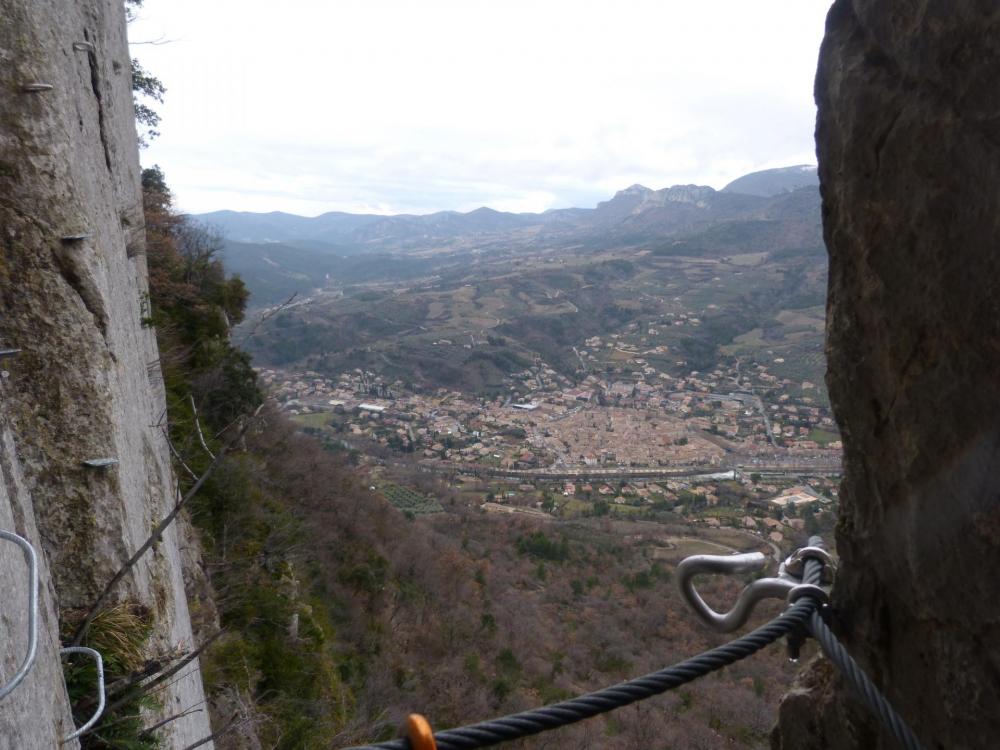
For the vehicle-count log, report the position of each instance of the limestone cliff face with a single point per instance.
(86, 384)
(908, 137)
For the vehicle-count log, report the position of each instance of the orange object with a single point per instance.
(420, 733)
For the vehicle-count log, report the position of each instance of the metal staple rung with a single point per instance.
(100, 463)
(36, 87)
(96, 656)
(29, 659)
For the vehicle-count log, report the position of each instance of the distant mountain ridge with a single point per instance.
(771, 182)
(635, 209)
(279, 254)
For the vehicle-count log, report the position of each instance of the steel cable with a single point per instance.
(561, 714)
(801, 616)
(863, 686)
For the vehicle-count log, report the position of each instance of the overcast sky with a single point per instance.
(393, 106)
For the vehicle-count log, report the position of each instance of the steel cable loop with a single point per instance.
(526, 723)
(863, 686)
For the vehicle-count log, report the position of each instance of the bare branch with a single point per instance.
(226, 428)
(159, 420)
(100, 726)
(153, 538)
(177, 455)
(265, 317)
(154, 42)
(135, 690)
(194, 671)
(197, 425)
(149, 730)
(233, 724)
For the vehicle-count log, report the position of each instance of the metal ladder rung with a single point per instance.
(100, 687)
(29, 659)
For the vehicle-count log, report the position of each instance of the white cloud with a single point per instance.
(397, 105)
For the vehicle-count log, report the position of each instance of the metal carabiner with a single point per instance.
(749, 562)
(32, 559)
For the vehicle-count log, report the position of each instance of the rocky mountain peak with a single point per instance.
(637, 199)
(634, 190)
(696, 194)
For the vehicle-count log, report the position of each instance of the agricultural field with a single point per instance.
(823, 437)
(674, 549)
(318, 421)
(410, 501)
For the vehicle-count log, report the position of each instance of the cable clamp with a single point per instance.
(794, 565)
(818, 593)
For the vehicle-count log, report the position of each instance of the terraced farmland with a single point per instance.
(410, 501)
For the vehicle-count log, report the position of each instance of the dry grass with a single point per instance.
(119, 633)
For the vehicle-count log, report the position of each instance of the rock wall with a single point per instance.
(87, 384)
(36, 714)
(908, 138)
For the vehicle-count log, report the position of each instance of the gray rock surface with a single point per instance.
(36, 714)
(908, 138)
(87, 383)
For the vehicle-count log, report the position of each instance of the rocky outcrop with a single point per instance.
(909, 162)
(86, 384)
